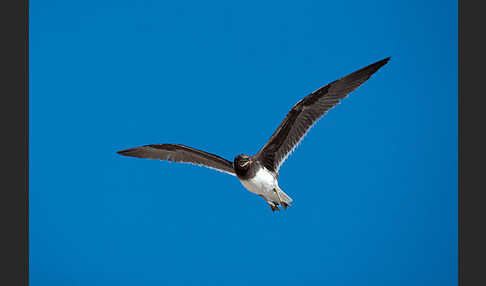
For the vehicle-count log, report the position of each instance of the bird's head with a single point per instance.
(242, 162)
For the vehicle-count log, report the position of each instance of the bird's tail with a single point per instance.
(285, 198)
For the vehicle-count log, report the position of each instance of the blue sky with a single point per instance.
(374, 183)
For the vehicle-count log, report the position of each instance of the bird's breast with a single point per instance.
(261, 183)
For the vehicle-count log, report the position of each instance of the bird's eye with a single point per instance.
(244, 162)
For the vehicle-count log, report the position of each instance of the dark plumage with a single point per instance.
(180, 153)
(247, 171)
(306, 112)
(259, 173)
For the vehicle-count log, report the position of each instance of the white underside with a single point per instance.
(263, 183)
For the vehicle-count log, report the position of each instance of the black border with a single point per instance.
(14, 202)
(472, 144)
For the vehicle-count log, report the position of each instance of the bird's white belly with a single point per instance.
(263, 183)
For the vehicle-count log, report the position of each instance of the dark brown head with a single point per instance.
(242, 164)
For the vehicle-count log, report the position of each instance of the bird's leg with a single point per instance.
(273, 206)
(282, 202)
(285, 205)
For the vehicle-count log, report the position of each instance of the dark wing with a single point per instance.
(180, 153)
(306, 112)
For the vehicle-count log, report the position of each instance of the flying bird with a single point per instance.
(259, 173)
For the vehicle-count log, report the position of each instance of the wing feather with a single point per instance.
(180, 153)
(305, 113)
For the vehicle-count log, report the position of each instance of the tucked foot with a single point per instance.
(286, 205)
(273, 206)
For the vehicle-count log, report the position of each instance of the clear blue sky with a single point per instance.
(374, 183)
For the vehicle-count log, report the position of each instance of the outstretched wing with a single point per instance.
(306, 112)
(180, 153)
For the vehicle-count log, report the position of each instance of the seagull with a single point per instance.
(259, 173)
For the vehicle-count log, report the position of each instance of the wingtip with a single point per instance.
(132, 152)
(383, 62)
(376, 66)
(125, 152)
